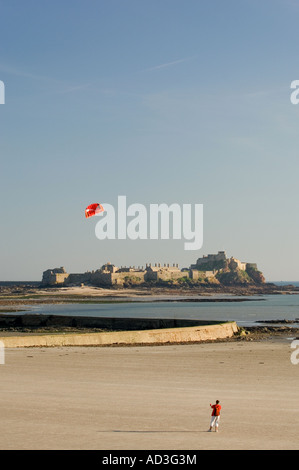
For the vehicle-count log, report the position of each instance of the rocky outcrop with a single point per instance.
(256, 276)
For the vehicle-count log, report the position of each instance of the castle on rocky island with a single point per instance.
(210, 269)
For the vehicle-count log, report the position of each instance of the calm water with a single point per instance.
(246, 313)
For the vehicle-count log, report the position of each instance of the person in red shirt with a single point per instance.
(215, 416)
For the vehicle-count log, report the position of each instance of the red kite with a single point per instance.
(93, 209)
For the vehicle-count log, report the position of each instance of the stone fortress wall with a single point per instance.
(110, 275)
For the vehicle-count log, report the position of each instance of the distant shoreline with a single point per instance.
(17, 295)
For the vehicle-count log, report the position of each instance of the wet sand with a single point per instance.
(150, 397)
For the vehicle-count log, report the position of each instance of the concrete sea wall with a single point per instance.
(145, 337)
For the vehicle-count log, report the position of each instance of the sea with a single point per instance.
(246, 311)
(253, 311)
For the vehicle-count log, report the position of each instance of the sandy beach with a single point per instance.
(150, 397)
(147, 397)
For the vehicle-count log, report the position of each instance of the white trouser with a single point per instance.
(215, 420)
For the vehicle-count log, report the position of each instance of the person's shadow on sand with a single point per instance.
(149, 431)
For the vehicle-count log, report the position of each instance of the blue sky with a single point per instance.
(161, 101)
